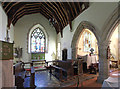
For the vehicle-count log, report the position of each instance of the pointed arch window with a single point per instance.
(87, 41)
(37, 41)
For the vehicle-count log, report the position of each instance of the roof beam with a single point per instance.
(61, 12)
(66, 14)
(55, 15)
(65, 5)
(80, 9)
(74, 8)
(70, 9)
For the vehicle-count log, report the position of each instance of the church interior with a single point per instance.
(59, 44)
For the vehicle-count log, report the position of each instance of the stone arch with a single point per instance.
(83, 25)
(110, 24)
(108, 28)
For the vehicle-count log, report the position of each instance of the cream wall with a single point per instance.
(119, 46)
(22, 28)
(11, 33)
(114, 44)
(97, 14)
(6, 66)
(65, 41)
(3, 24)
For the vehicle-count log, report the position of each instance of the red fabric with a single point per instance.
(34, 67)
(28, 69)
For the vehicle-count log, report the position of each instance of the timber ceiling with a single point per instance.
(63, 12)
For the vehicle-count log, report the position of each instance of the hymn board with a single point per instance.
(6, 50)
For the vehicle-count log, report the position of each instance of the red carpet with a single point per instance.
(34, 68)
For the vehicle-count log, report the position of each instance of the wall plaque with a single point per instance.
(6, 50)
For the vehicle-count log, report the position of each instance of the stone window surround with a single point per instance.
(29, 36)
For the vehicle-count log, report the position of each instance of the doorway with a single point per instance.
(114, 55)
(86, 42)
(87, 48)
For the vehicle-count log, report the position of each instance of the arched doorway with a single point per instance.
(87, 41)
(75, 41)
(108, 27)
(114, 48)
(87, 48)
(85, 38)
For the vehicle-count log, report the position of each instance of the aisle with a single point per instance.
(43, 79)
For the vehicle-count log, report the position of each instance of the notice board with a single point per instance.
(6, 50)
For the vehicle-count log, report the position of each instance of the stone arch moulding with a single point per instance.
(109, 26)
(111, 23)
(83, 25)
(29, 34)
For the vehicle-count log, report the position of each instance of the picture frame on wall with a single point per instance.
(18, 52)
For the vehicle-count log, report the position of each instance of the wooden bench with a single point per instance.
(19, 73)
(63, 69)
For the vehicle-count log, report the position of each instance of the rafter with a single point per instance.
(55, 13)
(74, 8)
(71, 9)
(11, 7)
(68, 14)
(80, 9)
(61, 5)
(63, 15)
(63, 12)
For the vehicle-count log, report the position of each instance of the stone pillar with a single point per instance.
(103, 62)
(74, 53)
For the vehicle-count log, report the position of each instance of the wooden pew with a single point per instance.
(19, 73)
(63, 69)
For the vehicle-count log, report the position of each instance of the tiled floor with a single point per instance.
(45, 79)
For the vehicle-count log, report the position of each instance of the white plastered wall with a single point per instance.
(6, 66)
(11, 33)
(3, 24)
(22, 28)
(114, 43)
(97, 14)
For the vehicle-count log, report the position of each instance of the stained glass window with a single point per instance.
(87, 41)
(37, 41)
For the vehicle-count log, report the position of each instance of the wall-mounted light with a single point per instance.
(52, 21)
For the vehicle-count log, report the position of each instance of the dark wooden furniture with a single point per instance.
(75, 65)
(114, 64)
(62, 69)
(64, 54)
(85, 67)
(19, 73)
(93, 68)
(39, 62)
